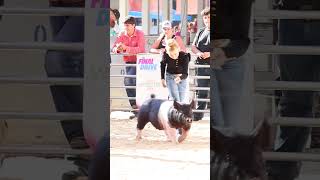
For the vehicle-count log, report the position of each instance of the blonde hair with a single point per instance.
(172, 47)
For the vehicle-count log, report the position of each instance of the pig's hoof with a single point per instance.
(175, 142)
(138, 138)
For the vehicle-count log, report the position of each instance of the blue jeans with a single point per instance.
(202, 94)
(67, 64)
(230, 90)
(296, 103)
(178, 92)
(128, 81)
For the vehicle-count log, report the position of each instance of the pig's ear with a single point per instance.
(216, 140)
(193, 104)
(176, 105)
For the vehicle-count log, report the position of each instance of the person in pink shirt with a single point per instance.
(131, 41)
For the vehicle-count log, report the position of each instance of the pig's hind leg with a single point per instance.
(142, 121)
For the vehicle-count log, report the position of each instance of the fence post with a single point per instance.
(96, 79)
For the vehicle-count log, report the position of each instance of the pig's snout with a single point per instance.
(189, 120)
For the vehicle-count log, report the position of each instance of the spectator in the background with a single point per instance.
(190, 32)
(194, 30)
(159, 45)
(190, 27)
(201, 47)
(114, 22)
(195, 25)
(131, 41)
(176, 30)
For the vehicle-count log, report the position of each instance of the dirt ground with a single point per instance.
(155, 158)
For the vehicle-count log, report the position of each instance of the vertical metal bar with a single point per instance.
(96, 70)
(183, 15)
(247, 97)
(201, 6)
(158, 23)
(146, 16)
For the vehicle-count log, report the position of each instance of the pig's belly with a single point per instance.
(155, 121)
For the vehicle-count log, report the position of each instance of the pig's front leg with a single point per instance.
(183, 136)
(139, 134)
(173, 135)
(167, 135)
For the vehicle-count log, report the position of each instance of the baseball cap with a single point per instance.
(116, 13)
(166, 24)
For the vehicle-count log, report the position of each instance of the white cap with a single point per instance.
(166, 24)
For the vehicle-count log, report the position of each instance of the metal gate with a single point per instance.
(94, 83)
(283, 85)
